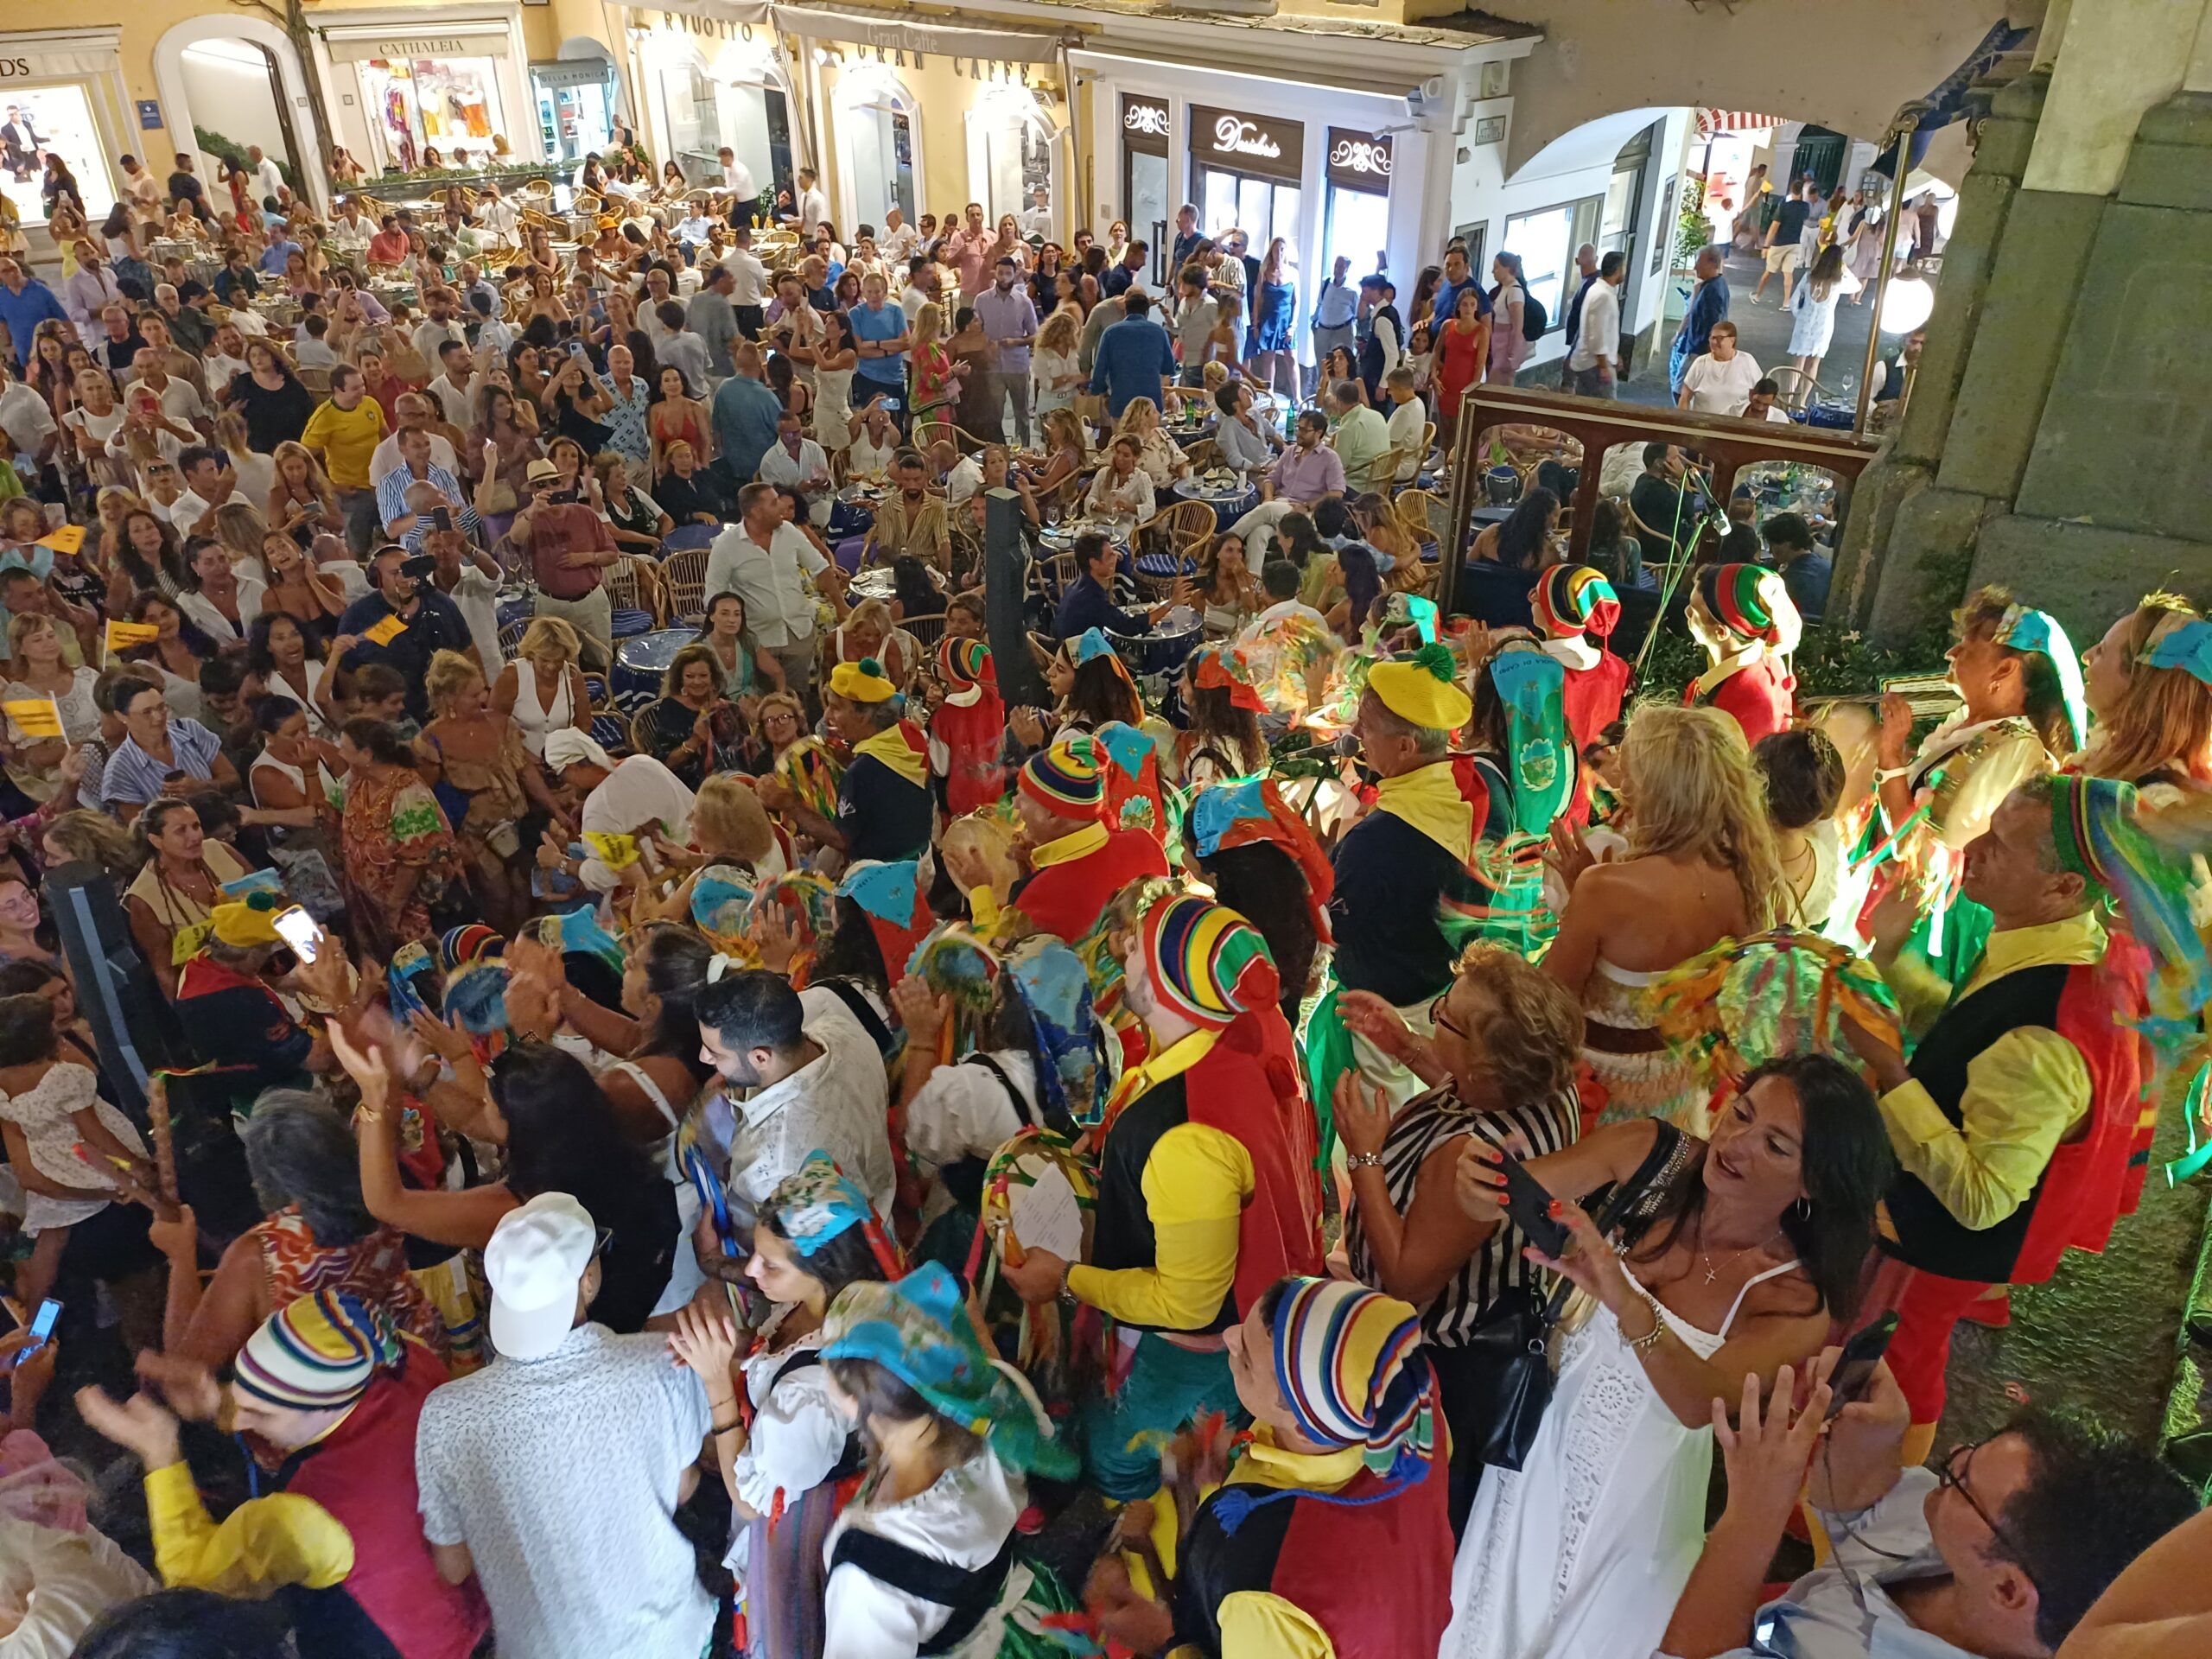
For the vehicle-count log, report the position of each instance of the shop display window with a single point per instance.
(56, 119)
(420, 104)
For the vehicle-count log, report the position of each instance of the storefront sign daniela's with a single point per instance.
(1247, 144)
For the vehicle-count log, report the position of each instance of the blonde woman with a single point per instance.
(1067, 452)
(243, 531)
(1160, 457)
(934, 377)
(297, 589)
(871, 631)
(302, 501)
(257, 472)
(542, 689)
(1701, 866)
(39, 674)
(1054, 365)
(471, 749)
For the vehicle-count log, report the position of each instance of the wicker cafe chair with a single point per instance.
(928, 630)
(1204, 453)
(1420, 513)
(1043, 648)
(683, 585)
(633, 584)
(1382, 475)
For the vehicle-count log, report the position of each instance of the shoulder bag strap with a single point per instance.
(968, 1592)
(856, 999)
(1021, 1106)
(1615, 1204)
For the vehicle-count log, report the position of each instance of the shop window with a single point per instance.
(1545, 242)
(1260, 208)
(1017, 158)
(880, 147)
(1359, 230)
(574, 118)
(57, 120)
(420, 104)
(704, 114)
(1146, 189)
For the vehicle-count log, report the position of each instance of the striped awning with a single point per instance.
(1738, 121)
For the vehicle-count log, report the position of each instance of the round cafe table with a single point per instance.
(1229, 501)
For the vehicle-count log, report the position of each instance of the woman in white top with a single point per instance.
(1054, 364)
(1159, 456)
(1744, 1248)
(39, 675)
(833, 359)
(542, 689)
(817, 1235)
(953, 1432)
(1121, 489)
(277, 650)
(875, 442)
(222, 602)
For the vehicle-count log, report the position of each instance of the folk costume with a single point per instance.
(1074, 877)
(883, 799)
(968, 729)
(1207, 1193)
(1263, 1569)
(1749, 678)
(1578, 610)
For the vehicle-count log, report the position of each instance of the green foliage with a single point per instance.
(229, 149)
(1830, 662)
(1690, 228)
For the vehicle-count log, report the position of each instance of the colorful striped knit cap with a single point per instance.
(1745, 599)
(965, 662)
(2093, 825)
(1206, 962)
(1573, 598)
(1065, 779)
(318, 1354)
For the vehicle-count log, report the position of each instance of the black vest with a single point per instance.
(1928, 1237)
(1122, 1236)
(1370, 349)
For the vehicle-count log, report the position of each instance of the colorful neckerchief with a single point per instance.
(1428, 798)
(1065, 849)
(1171, 1062)
(901, 747)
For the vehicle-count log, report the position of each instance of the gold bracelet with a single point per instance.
(1642, 1346)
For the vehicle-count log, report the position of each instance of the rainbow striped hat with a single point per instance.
(318, 1354)
(1206, 962)
(965, 662)
(1573, 599)
(2098, 836)
(1064, 778)
(1747, 599)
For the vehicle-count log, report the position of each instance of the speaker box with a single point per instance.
(132, 1022)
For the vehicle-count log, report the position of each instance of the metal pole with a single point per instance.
(1882, 286)
(1452, 545)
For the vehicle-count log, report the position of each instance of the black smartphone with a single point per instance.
(1529, 1203)
(1854, 1367)
(442, 517)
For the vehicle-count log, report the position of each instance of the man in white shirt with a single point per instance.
(694, 227)
(737, 178)
(777, 570)
(455, 389)
(813, 205)
(226, 357)
(470, 577)
(1036, 221)
(349, 231)
(745, 299)
(416, 411)
(1278, 581)
(1595, 368)
(899, 239)
(1720, 382)
(268, 177)
(498, 216)
(798, 461)
(90, 289)
(1409, 421)
(210, 480)
(1361, 435)
(637, 796)
(25, 419)
(803, 1073)
(1762, 405)
(179, 402)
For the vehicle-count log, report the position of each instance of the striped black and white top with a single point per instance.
(1423, 1124)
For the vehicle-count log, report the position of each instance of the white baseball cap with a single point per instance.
(537, 1258)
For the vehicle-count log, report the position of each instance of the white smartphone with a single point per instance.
(299, 930)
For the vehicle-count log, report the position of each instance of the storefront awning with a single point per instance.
(1742, 122)
(750, 13)
(360, 42)
(870, 26)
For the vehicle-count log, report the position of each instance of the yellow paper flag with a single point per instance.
(616, 852)
(67, 539)
(384, 631)
(123, 636)
(38, 718)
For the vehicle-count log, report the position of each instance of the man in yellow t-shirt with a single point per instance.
(343, 434)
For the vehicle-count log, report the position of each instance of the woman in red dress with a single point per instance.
(1462, 350)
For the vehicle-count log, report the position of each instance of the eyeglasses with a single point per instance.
(1957, 1464)
(1436, 1018)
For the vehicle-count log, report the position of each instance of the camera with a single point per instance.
(421, 566)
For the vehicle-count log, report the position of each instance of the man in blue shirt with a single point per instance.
(25, 302)
(1089, 601)
(1457, 276)
(879, 339)
(1135, 358)
(745, 416)
(1708, 305)
(280, 247)
(1806, 570)
(1187, 236)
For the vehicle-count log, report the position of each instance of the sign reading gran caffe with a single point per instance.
(1247, 144)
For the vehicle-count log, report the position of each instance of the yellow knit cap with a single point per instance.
(863, 682)
(1424, 688)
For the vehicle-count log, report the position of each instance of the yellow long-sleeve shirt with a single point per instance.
(1195, 1185)
(265, 1543)
(2025, 1093)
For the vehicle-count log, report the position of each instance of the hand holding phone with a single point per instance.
(1528, 1202)
(299, 930)
(1854, 1367)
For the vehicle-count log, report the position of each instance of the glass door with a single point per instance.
(882, 151)
(1144, 187)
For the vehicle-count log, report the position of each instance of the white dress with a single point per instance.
(833, 408)
(1816, 319)
(43, 1113)
(1582, 1552)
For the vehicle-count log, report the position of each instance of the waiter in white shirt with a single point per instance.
(813, 207)
(1334, 308)
(1596, 367)
(749, 296)
(737, 178)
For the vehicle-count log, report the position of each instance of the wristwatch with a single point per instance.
(1364, 1160)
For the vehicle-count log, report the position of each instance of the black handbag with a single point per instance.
(1507, 1371)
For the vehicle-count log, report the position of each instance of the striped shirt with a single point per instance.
(1423, 1124)
(134, 777)
(391, 501)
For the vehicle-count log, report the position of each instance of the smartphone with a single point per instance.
(1528, 1202)
(49, 1315)
(299, 930)
(1854, 1367)
(442, 517)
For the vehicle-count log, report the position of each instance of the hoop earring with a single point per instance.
(1802, 1210)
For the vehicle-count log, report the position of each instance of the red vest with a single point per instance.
(2094, 1180)
(974, 738)
(1067, 899)
(363, 1474)
(1245, 1087)
(1759, 697)
(1592, 697)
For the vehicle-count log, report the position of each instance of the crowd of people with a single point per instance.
(1306, 1151)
